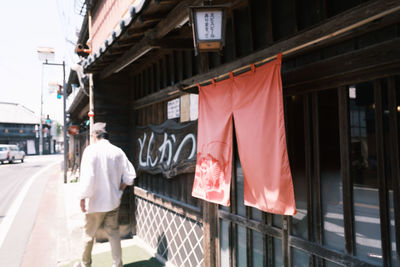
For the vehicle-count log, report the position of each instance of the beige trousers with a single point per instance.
(93, 221)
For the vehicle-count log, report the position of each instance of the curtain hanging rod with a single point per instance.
(297, 48)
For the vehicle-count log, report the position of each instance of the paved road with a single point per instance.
(21, 189)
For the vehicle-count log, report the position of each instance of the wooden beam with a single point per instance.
(252, 224)
(174, 18)
(326, 253)
(165, 2)
(175, 44)
(146, 61)
(134, 53)
(169, 203)
(360, 65)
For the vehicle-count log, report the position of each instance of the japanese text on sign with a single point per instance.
(209, 25)
(174, 109)
(168, 148)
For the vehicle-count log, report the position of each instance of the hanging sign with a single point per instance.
(208, 27)
(173, 109)
(168, 148)
(73, 130)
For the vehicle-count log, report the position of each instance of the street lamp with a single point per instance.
(46, 54)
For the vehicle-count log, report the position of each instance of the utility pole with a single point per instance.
(64, 92)
(45, 54)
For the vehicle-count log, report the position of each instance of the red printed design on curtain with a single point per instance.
(255, 101)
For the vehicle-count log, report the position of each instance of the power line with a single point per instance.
(80, 7)
(71, 21)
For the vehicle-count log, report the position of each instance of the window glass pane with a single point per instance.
(390, 182)
(256, 214)
(395, 182)
(299, 258)
(257, 252)
(331, 181)
(330, 264)
(392, 228)
(364, 174)
(224, 237)
(277, 252)
(296, 151)
(277, 220)
(241, 208)
(242, 248)
(225, 208)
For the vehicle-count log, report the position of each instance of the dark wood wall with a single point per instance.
(316, 83)
(253, 26)
(112, 100)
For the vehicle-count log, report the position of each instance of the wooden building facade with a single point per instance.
(341, 90)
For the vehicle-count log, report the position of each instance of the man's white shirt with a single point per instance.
(104, 167)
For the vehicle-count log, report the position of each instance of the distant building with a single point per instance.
(19, 125)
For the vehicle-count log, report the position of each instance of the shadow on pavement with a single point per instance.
(132, 256)
(152, 262)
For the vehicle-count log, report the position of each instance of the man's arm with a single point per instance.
(128, 175)
(83, 205)
(87, 176)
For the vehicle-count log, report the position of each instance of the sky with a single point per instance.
(26, 25)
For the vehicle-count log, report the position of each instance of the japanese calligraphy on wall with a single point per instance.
(169, 148)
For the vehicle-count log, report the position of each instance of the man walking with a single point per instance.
(105, 173)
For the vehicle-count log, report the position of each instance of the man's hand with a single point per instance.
(122, 187)
(83, 205)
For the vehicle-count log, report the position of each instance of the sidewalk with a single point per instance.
(56, 236)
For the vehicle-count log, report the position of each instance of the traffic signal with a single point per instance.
(59, 92)
(47, 123)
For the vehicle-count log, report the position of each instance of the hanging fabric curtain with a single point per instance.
(254, 99)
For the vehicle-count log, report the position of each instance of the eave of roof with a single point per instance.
(134, 12)
(80, 100)
(144, 33)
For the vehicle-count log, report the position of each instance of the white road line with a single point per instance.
(12, 211)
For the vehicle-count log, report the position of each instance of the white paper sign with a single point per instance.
(352, 92)
(209, 25)
(194, 107)
(174, 109)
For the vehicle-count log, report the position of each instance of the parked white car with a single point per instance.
(11, 153)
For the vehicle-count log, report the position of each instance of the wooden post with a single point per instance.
(285, 241)
(91, 97)
(210, 233)
(209, 209)
(345, 162)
